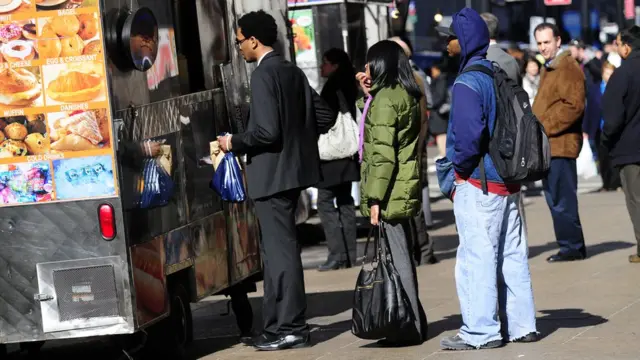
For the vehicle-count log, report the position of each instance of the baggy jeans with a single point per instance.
(492, 269)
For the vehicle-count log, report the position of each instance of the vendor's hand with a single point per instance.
(151, 148)
(365, 82)
(375, 215)
(225, 143)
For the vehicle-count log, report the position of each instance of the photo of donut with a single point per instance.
(20, 88)
(68, 35)
(79, 130)
(17, 41)
(23, 135)
(74, 83)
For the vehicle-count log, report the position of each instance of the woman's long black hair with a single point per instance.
(343, 78)
(389, 66)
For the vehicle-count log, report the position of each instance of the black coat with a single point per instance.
(337, 172)
(286, 117)
(440, 93)
(621, 112)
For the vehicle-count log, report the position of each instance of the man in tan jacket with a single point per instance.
(559, 105)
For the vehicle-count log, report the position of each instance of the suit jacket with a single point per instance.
(286, 116)
(506, 62)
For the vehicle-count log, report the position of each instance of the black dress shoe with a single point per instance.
(283, 342)
(560, 257)
(247, 338)
(333, 265)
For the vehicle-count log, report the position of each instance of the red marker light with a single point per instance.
(107, 219)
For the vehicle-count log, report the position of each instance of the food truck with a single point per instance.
(108, 224)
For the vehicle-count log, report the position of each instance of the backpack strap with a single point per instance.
(479, 68)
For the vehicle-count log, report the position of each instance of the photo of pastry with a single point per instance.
(74, 83)
(79, 130)
(20, 88)
(46, 5)
(17, 41)
(69, 35)
(84, 177)
(13, 7)
(23, 135)
(25, 183)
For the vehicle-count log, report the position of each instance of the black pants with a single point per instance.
(284, 301)
(610, 175)
(422, 246)
(339, 223)
(561, 193)
(630, 175)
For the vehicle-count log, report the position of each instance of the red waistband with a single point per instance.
(493, 187)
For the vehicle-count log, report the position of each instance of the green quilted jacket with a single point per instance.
(389, 171)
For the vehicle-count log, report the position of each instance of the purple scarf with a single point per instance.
(364, 117)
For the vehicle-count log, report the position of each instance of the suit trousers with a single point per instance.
(339, 224)
(630, 175)
(561, 193)
(284, 301)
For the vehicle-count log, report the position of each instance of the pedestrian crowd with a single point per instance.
(490, 146)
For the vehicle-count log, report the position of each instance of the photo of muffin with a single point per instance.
(17, 41)
(23, 135)
(68, 35)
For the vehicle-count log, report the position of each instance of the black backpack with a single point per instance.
(518, 146)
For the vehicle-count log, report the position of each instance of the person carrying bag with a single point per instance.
(341, 141)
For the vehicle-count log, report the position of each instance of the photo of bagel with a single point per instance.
(20, 88)
(68, 35)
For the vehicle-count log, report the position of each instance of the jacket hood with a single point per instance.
(473, 35)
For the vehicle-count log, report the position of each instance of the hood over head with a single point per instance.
(473, 35)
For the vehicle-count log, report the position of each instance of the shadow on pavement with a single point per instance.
(550, 322)
(592, 250)
(215, 332)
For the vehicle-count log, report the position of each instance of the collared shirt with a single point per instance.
(548, 62)
(263, 55)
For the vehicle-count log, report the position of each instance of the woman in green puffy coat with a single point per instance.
(389, 182)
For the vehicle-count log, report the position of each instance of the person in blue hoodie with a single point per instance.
(492, 270)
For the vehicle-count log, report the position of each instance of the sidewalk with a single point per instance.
(586, 310)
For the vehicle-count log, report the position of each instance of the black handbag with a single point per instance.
(381, 308)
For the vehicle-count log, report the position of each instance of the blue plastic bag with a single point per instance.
(227, 180)
(446, 176)
(157, 187)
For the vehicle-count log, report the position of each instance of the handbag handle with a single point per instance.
(375, 244)
(342, 102)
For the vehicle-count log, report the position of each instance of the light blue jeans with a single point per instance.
(492, 269)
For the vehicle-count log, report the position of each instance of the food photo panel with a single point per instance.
(68, 36)
(23, 136)
(26, 183)
(79, 130)
(74, 83)
(20, 88)
(85, 177)
(16, 7)
(18, 41)
(47, 5)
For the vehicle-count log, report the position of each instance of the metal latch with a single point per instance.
(42, 297)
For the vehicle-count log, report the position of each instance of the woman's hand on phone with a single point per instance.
(365, 82)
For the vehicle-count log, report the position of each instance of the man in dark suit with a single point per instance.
(285, 120)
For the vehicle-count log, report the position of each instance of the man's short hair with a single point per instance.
(545, 26)
(578, 43)
(631, 37)
(492, 23)
(260, 25)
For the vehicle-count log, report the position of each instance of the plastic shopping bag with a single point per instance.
(157, 186)
(227, 179)
(585, 165)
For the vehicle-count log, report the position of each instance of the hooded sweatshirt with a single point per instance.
(473, 107)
